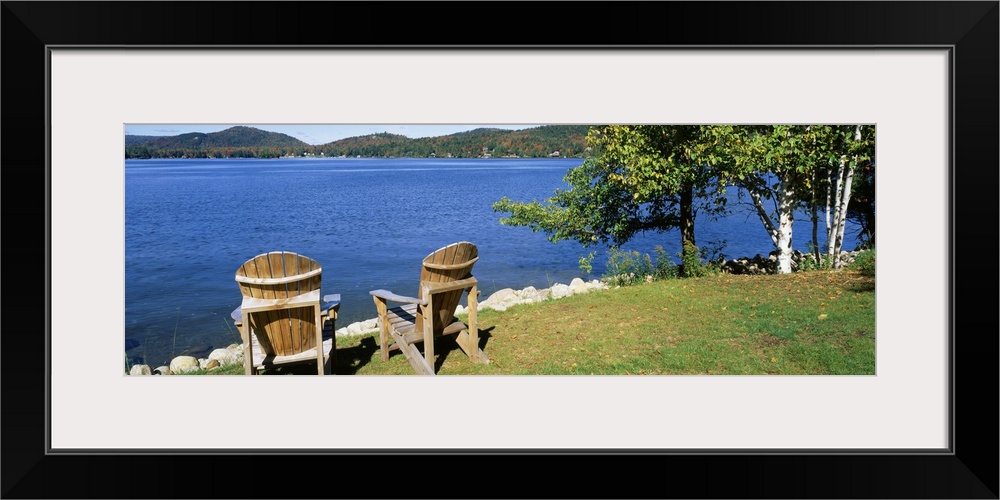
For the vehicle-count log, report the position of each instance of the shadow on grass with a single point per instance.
(347, 361)
(443, 346)
(350, 360)
(862, 286)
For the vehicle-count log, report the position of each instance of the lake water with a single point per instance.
(189, 224)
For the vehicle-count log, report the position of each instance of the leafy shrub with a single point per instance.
(864, 263)
(664, 268)
(809, 263)
(691, 264)
(628, 268)
(587, 263)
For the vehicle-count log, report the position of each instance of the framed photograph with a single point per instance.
(924, 73)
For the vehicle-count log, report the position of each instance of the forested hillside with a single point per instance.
(234, 142)
(249, 142)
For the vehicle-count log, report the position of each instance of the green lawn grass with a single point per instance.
(815, 322)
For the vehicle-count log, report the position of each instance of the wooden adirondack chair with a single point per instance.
(280, 319)
(445, 274)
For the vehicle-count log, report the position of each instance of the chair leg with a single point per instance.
(468, 339)
(417, 361)
(319, 342)
(429, 331)
(247, 347)
(333, 343)
(383, 328)
(474, 326)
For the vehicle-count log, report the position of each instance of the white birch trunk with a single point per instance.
(764, 218)
(829, 187)
(781, 235)
(845, 176)
(831, 229)
(815, 221)
(783, 239)
(843, 215)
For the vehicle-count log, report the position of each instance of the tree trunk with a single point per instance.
(764, 218)
(815, 235)
(687, 223)
(845, 176)
(786, 215)
(781, 235)
(815, 216)
(829, 188)
(687, 214)
(839, 238)
(832, 228)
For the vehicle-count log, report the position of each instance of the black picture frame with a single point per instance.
(970, 470)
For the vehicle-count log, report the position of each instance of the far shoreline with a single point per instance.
(314, 157)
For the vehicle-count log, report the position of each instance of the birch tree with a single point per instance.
(841, 151)
(853, 145)
(775, 164)
(791, 167)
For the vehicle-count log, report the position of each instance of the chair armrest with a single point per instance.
(387, 295)
(331, 303)
(237, 314)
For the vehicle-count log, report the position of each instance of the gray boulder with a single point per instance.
(140, 370)
(184, 364)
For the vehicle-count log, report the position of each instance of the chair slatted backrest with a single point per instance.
(281, 275)
(451, 263)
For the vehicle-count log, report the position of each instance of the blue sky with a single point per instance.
(318, 134)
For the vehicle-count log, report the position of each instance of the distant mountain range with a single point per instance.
(250, 142)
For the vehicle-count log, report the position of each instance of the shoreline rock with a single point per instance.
(759, 264)
(501, 300)
(183, 364)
